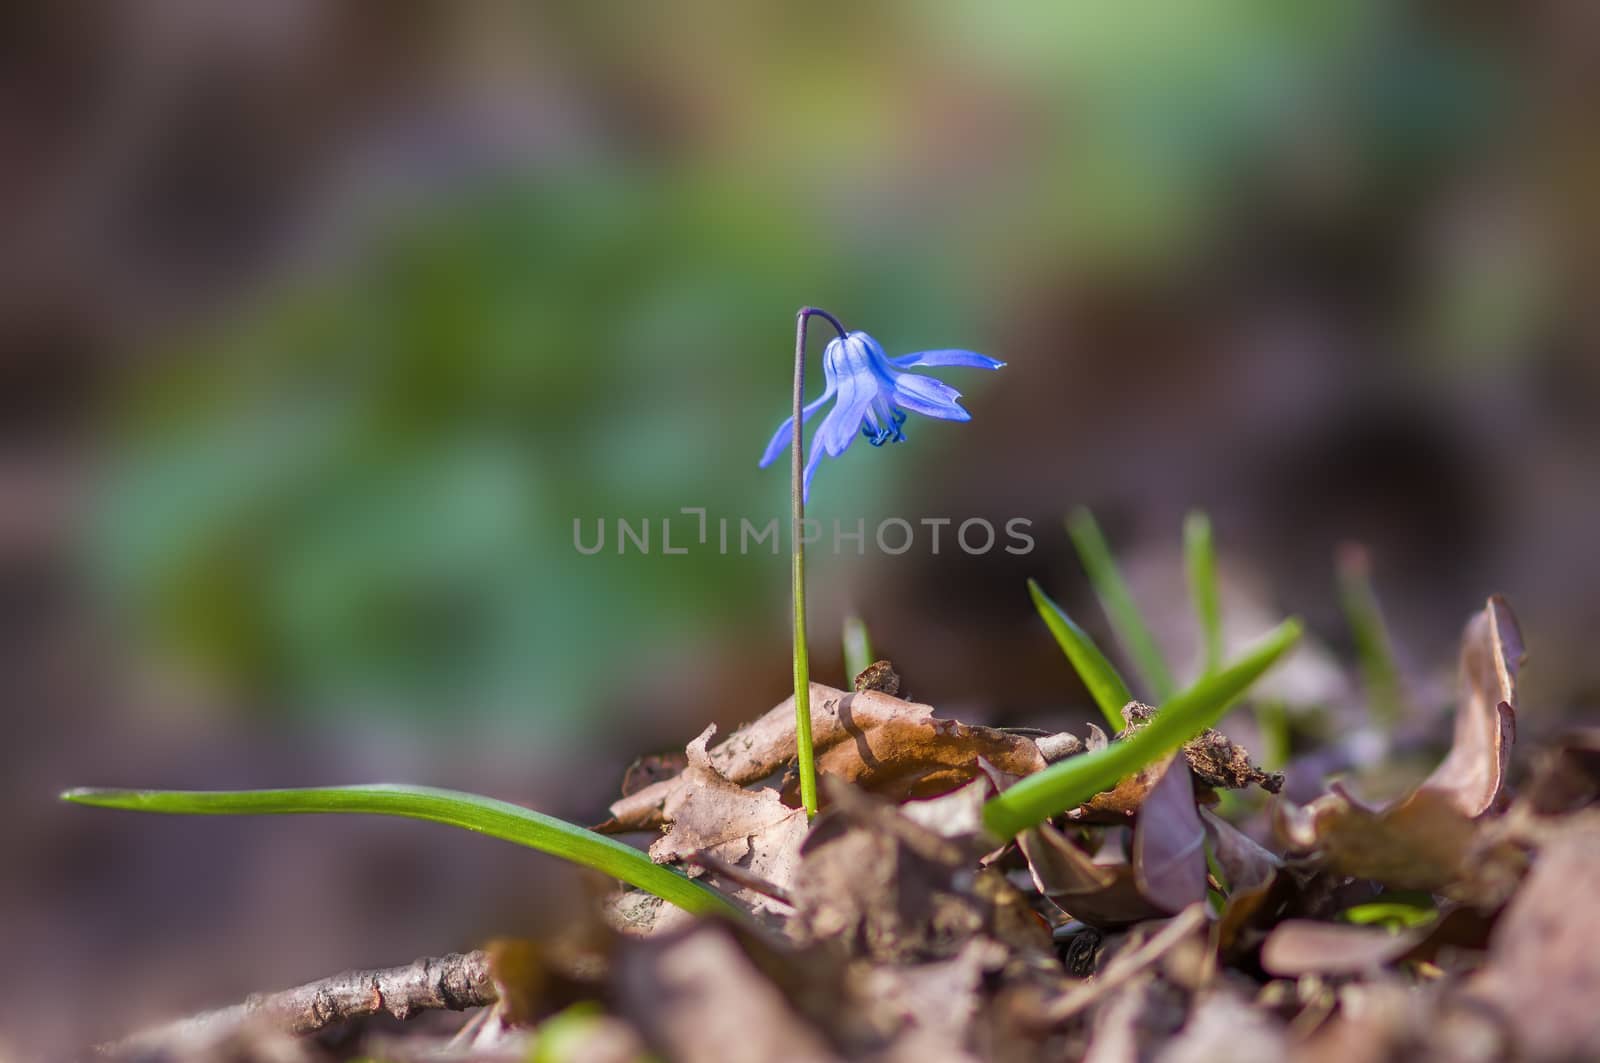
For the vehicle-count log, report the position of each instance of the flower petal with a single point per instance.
(929, 397)
(838, 430)
(970, 359)
(785, 432)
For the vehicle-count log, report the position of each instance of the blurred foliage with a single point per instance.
(1168, 116)
(363, 494)
(360, 493)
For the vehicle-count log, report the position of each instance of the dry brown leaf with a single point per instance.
(1169, 843)
(931, 1007)
(880, 885)
(1059, 867)
(750, 829)
(1223, 1025)
(697, 996)
(1373, 1024)
(649, 769)
(1388, 1020)
(1427, 839)
(636, 913)
(876, 885)
(1544, 953)
(890, 747)
(1567, 777)
(1421, 843)
(1250, 912)
(1122, 801)
(957, 814)
(1168, 869)
(1246, 863)
(1299, 947)
(1473, 774)
(898, 750)
(1100, 894)
(1252, 875)
(1119, 1027)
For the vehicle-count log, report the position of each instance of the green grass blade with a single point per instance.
(1126, 621)
(1200, 561)
(857, 648)
(1073, 781)
(485, 815)
(1105, 683)
(1380, 676)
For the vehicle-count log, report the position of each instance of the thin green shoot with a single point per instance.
(1104, 682)
(1398, 914)
(1115, 599)
(485, 815)
(1073, 781)
(1380, 675)
(1272, 720)
(1200, 562)
(857, 648)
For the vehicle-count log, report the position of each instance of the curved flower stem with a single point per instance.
(797, 504)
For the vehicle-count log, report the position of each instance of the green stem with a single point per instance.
(804, 756)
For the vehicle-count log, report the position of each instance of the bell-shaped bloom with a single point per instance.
(874, 393)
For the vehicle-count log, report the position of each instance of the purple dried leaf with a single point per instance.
(1169, 854)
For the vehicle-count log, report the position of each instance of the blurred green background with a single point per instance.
(322, 324)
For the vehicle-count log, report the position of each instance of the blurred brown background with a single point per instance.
(320, 323)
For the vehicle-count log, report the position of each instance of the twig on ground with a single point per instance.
(455, 982)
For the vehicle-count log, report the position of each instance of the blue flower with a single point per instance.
(874, 394)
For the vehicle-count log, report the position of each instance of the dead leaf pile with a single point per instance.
(1451, 924)
(1177, 935)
